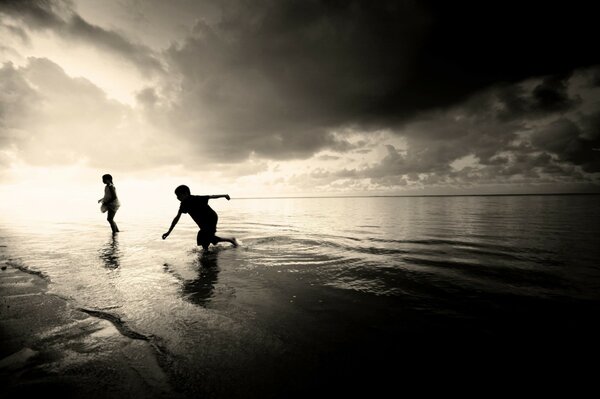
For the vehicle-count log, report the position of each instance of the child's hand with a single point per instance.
(227, 196)
(164, 236)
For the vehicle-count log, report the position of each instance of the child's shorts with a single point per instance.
(206, 237)
(111, 207)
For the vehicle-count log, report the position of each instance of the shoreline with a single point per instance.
(48, 346)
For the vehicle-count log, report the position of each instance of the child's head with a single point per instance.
(182, 192)
(106, 179)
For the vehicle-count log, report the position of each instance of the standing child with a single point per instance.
(110, 202)
(204, 216)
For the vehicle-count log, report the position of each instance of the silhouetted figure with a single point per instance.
(110, 202)
(204, 216)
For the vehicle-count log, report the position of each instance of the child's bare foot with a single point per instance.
(234, 242)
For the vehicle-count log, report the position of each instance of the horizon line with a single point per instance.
(419, 195)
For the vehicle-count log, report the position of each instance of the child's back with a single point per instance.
(197, 207)
(204, 216)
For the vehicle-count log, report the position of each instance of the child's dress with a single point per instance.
(110, 200)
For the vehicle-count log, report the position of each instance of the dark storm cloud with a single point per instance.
(555, 140)
(596, 78)
(565, 139)
(60, 18)
(286, 79)
(39, 14)
(549, 96)
(279, 75)
(590, 126)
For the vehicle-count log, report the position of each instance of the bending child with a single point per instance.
(204, 216)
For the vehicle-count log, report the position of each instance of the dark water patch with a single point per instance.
(379, 251)
(382, 280)
(467, 245)
(506, 274)
(517, 255)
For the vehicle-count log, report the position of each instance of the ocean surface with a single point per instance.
(336, 295)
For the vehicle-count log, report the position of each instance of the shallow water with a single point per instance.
(323, 291)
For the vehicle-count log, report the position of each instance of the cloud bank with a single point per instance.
(467, 94)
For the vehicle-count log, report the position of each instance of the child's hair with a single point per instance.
(107, 177)
(183, 189)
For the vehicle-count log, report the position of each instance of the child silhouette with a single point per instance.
(204, 216)
(110, 202)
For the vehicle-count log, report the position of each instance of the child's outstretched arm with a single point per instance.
(173, 224)
(220, 196)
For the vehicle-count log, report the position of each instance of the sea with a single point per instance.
(338, 296)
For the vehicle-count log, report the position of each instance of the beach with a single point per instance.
(339, 297)
(48, 345)
(299, 199)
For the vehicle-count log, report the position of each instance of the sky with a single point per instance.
(297, 98)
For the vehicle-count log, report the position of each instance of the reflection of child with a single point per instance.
(110, 202)
(204, 216)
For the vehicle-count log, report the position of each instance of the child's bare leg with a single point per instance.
(111, 221)
(232, 240)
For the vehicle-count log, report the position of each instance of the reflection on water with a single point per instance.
(198, 285)
(202, 289)
(199, 289)
(109, 253)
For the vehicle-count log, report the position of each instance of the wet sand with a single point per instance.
(48, 347)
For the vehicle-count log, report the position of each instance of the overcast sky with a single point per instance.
(303, 97)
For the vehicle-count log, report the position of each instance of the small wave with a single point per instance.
(27, 270)
(294, 251)
(380, 251)
(521, 256)
(301, 243)
(483, 248)
(507, 274)
(120, 325)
